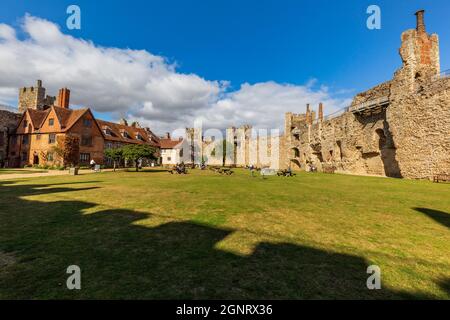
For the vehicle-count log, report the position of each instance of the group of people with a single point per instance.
(181, 168)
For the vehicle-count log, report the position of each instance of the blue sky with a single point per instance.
(286, 42)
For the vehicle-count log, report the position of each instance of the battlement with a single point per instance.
(31, 97)
(35, 98)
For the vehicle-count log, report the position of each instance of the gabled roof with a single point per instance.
(170, 144)
(37, 117)
(133, 133)
(66, 117)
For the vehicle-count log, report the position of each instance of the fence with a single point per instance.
(442, 75)
(332, 115)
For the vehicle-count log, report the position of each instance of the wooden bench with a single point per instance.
(329, 169)
(443, 177)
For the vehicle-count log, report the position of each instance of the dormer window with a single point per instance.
(107, 131)
(124, 134)
(139, 137)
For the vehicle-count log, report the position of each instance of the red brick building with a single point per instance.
(42, 129)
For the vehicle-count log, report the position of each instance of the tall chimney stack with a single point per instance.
(63, 98)
(420, 21)
(308, 114)
(321, 112)
(167, 135)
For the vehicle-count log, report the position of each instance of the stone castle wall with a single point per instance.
(404, 133)
(241, 147)
(8, 122)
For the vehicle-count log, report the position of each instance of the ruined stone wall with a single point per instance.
(420, 123)
(241, 147)
(8, 122)
(407, 136)
(348, 142)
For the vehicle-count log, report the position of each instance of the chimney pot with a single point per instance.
(420, 21)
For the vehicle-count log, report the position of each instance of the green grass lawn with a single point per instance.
(153, 235)
(19, 171)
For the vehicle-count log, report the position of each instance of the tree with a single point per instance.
(71, 153)
(115, 155)
(137, 152)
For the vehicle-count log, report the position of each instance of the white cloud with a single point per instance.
(140, 85)
(264, 104)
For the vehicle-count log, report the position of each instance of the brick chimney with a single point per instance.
(420, 21)
(63, 98)
(308, 114)
(321, 112)
(167, 135)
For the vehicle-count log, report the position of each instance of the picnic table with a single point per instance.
(226, 171)
(442, 177)
(285, 173)
(178, 170)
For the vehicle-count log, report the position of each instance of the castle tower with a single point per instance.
(420, 55)
(35, 98)
(230, 147)
(194, 138)
(31, 97)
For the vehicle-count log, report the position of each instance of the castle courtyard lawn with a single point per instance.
(152, 235)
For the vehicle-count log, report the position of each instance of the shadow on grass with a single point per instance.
(439, 216)
(121, 259)
(146, 170)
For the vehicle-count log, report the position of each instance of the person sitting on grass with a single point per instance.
(252, 170)
(289, 172)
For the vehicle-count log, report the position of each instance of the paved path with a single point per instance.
(49, 173)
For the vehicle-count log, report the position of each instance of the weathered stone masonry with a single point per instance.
(8, 123)
(400, 128)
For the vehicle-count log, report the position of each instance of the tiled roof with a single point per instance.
(68, 117)
(37, 116)
(134, 134)
(169, 143)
